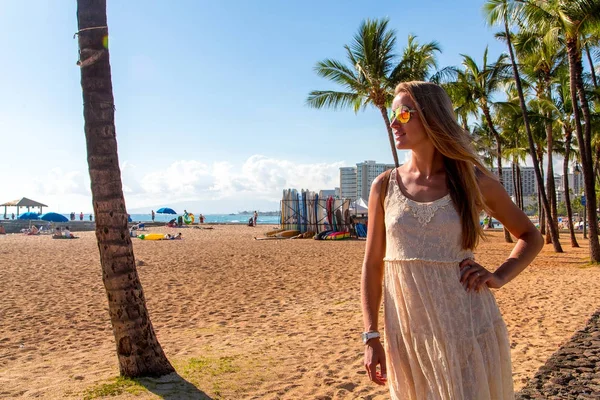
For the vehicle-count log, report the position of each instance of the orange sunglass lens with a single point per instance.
(403, 115)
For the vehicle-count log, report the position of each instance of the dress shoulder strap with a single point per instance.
(384, 187)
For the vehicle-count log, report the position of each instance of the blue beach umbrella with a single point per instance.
(29, 215)
(54, 217)
(166, 210)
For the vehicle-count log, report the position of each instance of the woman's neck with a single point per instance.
(427, 162)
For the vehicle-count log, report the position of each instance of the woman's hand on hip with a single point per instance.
(375, 355)
(473, 276)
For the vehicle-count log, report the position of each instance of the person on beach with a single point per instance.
(153, 215)
(255, 217)
(444, 335)
(91, 217)
(67, 233)
(13, 216)
(81, 216)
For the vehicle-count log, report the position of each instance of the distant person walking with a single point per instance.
(255, 217)
(81, 216)
(153, 215)
(91, 217)
(201, 218)
(13, 216)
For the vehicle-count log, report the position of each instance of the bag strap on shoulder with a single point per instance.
(384, 187)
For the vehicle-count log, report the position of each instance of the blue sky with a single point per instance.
(210, 96)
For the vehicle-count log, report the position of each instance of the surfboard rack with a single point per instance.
(315, 215)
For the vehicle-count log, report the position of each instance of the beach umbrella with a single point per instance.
(166, 210)
(29, 215)
(54, 217)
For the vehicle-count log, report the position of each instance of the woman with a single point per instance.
(444, 335)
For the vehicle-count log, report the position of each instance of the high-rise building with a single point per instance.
(527, 177)
(366, 172)
(348, 183)
(326, 193)
(530, 183)
(576, 188)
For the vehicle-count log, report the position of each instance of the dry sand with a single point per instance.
(240, 318)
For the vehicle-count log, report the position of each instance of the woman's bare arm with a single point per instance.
(372, 270)
(529, 240)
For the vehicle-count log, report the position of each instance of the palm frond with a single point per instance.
(335, 100)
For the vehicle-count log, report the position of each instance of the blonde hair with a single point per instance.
(436, 113)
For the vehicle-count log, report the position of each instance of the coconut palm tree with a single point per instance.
(138, 350)
(504, 12)
(372, 73)
(569, 20)
(564, 118)
(479, 84)
(540, 61)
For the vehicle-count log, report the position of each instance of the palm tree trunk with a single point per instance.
(567, 190)
(488, 117)
(597, 166)
(545, 228)
(138, 350)
(384, 114)
(550, 186)
(536, 165)
(592, 70)
(584, 140)
(542, 216)
(514, 182)
(520, 187)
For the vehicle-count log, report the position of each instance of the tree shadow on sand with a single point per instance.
(173, 387)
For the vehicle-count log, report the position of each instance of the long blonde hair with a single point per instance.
(436, 112)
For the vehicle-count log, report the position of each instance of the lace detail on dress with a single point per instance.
(425, 211)
(421, 231)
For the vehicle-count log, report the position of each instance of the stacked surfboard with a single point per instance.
(304, 212)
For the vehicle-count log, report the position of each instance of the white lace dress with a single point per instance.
(441, 342)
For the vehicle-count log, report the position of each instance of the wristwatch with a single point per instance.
(366, 336)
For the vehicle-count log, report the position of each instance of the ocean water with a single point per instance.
(208, 218)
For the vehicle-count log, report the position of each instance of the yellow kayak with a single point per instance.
(152, 236)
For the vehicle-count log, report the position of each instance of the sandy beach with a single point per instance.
(240, 318)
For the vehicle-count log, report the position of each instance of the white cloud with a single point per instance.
(217, 187)
(60, 182)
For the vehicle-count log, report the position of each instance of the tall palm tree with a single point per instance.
(569, 20)
(138, 350)
(372, 73)
(564, 118)
(481, 83)
(504, 12)
(540, 61)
